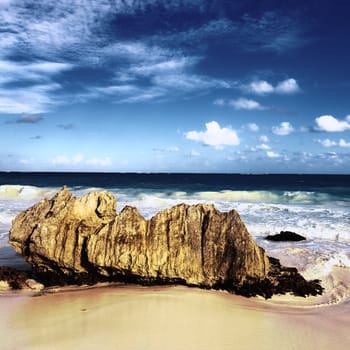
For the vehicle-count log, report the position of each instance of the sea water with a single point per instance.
(315, 206)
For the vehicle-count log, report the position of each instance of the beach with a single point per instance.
(133, 317)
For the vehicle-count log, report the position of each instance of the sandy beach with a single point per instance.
(132, 317)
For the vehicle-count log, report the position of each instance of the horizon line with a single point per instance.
(162, 173)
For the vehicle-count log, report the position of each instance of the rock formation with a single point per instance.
(76, 240)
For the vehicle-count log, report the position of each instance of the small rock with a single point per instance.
(13, 278)
(285, 236)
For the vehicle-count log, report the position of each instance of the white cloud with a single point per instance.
(263, 146)
(62, 32)
(262, 87)
(23, 71)
(128, 93)
(137, 52)
(38, 93)
(168, 71)
(287, 87)
(272, 154)
(244, 103)
(214, 136)
(264, 138)
(31, 100)
(343, 143)
(79, 159)
(118, 89)
(329, 123)
(253, 127)
(144, 95)
(167, 66)
(188, 82)
(326, 143)
(285, 128)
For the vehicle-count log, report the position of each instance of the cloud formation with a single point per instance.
(264, 139)
(253, 127)
(30, 100)
(269, 31)
(343, 143)
(329, 123)
(285, 128)
(244, 103)
(63, 36)
(262, 87)
(214, 136)
(326, 142)
(263, 146)
(157, 63)
(329, 143)
(272, 154)
(287, 87)
(80, 159)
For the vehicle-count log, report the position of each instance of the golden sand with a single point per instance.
(139, 318)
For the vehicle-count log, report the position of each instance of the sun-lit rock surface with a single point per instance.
(84, 239)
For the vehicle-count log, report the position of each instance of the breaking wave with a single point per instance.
(23, 192)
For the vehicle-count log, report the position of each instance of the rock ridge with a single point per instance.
(83, 240)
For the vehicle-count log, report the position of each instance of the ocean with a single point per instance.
(315, 206)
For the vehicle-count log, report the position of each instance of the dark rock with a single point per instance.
(285, 236)
(70, 240)
(15, 279)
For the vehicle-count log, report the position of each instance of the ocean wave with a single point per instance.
(5, 219)
(229, 196)
(325, 260)
(286, 197)
(24, 192)
(234, 196)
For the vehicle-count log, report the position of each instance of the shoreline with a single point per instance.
(166, 317)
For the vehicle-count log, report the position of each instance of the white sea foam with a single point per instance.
(23, 192)
(323, 260)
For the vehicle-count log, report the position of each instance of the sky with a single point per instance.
(175, 86)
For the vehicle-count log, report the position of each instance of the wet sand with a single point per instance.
(132, 317)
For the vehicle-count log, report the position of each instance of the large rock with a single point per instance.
(83, 238)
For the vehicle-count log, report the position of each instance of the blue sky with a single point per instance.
(175, 86)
